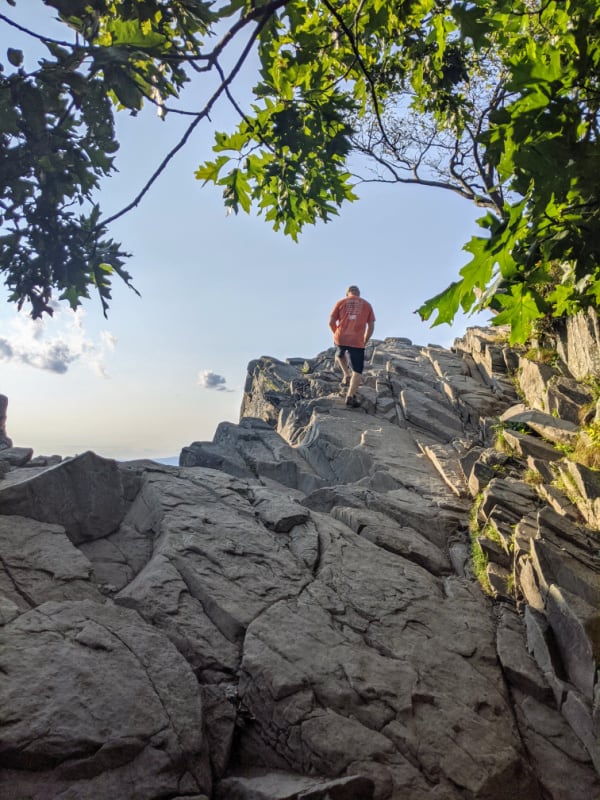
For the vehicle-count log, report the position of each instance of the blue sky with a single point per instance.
(217, 291)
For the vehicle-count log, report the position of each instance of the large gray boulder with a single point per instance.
(84, 494)
(96, 704)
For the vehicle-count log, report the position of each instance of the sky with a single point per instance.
(216, 292)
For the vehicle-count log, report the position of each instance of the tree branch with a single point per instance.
(262, 20)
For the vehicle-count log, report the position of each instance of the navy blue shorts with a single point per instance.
(356, 355)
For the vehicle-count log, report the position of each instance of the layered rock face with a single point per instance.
(292, 612)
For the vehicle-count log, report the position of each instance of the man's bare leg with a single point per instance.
(343, 365)
(354, 384)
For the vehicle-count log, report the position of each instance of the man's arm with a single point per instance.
(333, 319)
(370, 329)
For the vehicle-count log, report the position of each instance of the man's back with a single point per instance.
(353, 315)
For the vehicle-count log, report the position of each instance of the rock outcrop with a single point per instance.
(5, 441)
(293, 611)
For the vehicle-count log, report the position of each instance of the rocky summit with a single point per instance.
(392, 602)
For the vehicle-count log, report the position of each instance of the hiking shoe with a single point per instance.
(352, 402)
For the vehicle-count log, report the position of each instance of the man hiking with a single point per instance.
(352, 322)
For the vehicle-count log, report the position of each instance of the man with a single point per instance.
(352, 322)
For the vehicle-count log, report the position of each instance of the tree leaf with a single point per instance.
(520, 310)
(15, 57)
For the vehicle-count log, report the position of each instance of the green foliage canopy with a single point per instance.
(541, 255)
(57, 137)
(509, 88)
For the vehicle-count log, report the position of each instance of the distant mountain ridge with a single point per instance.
(169, 460)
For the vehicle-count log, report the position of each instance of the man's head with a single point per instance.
(353, 290)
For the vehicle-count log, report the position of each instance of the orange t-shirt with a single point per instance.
(352, 315)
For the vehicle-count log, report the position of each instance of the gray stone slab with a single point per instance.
(558, 502)
(278, 511)
(566, 398)
(431, 415)
(515, 497)
(560, 761)
(526, 446)
(580, 345)
(572, 621)
(587, 485)
(528, 585)
(557, 561)
(578, 713)
(551, 428)
(542, 644)
(445, 460)
(533, 379)
(520, 668)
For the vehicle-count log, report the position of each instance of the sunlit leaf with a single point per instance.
(520, 310)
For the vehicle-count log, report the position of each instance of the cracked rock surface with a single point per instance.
(291, 613)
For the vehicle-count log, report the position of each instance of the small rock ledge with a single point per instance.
(293, 611)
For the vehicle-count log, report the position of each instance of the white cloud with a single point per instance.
(56, 344)
(210, 380)
(108, 339)
(6, 350)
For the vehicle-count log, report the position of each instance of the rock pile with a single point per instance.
(292, 612)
